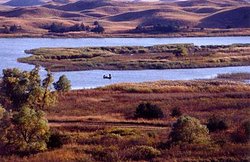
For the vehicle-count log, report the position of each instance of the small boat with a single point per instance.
(107, 77)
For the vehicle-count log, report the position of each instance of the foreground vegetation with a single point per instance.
(154, 121)
(138, 57)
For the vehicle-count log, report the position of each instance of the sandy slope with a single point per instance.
(120, 16)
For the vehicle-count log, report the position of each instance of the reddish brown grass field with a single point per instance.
(83, 113)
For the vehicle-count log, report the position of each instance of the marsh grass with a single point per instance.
(169, 56)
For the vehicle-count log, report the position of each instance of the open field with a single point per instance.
(100, 126)
(127, 58)
(120, 19)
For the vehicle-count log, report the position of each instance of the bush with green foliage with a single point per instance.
(26, 131)
(216, 124)
(63, 84)
(189, 130)
(242, 134)
(181, 51)
(144, 153)
(60, 28)
(176, 112)
(148, 111)
(158, 28)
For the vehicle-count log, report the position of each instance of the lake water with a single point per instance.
(13, 48)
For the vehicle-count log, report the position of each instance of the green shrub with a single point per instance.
(216, 124)
(242, 134)
(148, 111)
(144, 153)
(27, 88)
(25, 132)
(176, 112)
(63, 84)
(181, 51)
(189, 130)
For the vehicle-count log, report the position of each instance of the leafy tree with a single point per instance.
(47, 98)
(98, 29)
(148, 111)
(8, 135)
(24, 132)
(13, 28)
(189, 130)
(39, 99)
(63, 84)
(158, 28)
(16, 86)
(23, 87)
(165, 28)
(60, 28)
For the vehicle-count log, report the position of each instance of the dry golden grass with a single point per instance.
(119, 17)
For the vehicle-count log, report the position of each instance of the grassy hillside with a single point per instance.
(119, 18)
(233, 18)
(24, 2)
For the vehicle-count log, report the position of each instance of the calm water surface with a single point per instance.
(13, 48)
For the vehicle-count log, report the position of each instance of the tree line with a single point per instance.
(10, 29)
(60, 28)
(157, 28)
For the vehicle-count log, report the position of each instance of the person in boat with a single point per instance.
(107, 77)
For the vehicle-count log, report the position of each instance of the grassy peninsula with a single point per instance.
(169, 56)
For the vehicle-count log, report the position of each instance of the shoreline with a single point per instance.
(122, 35)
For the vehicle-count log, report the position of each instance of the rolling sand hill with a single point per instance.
(39, 12)
(83, 5)
(24, 2)
(220, 3)
(121, 17)
(233, 18)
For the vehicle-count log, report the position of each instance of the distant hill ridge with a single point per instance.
(24, 2)
(234, 18)
(82, 5)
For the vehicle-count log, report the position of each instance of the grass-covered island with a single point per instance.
(138, 57)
